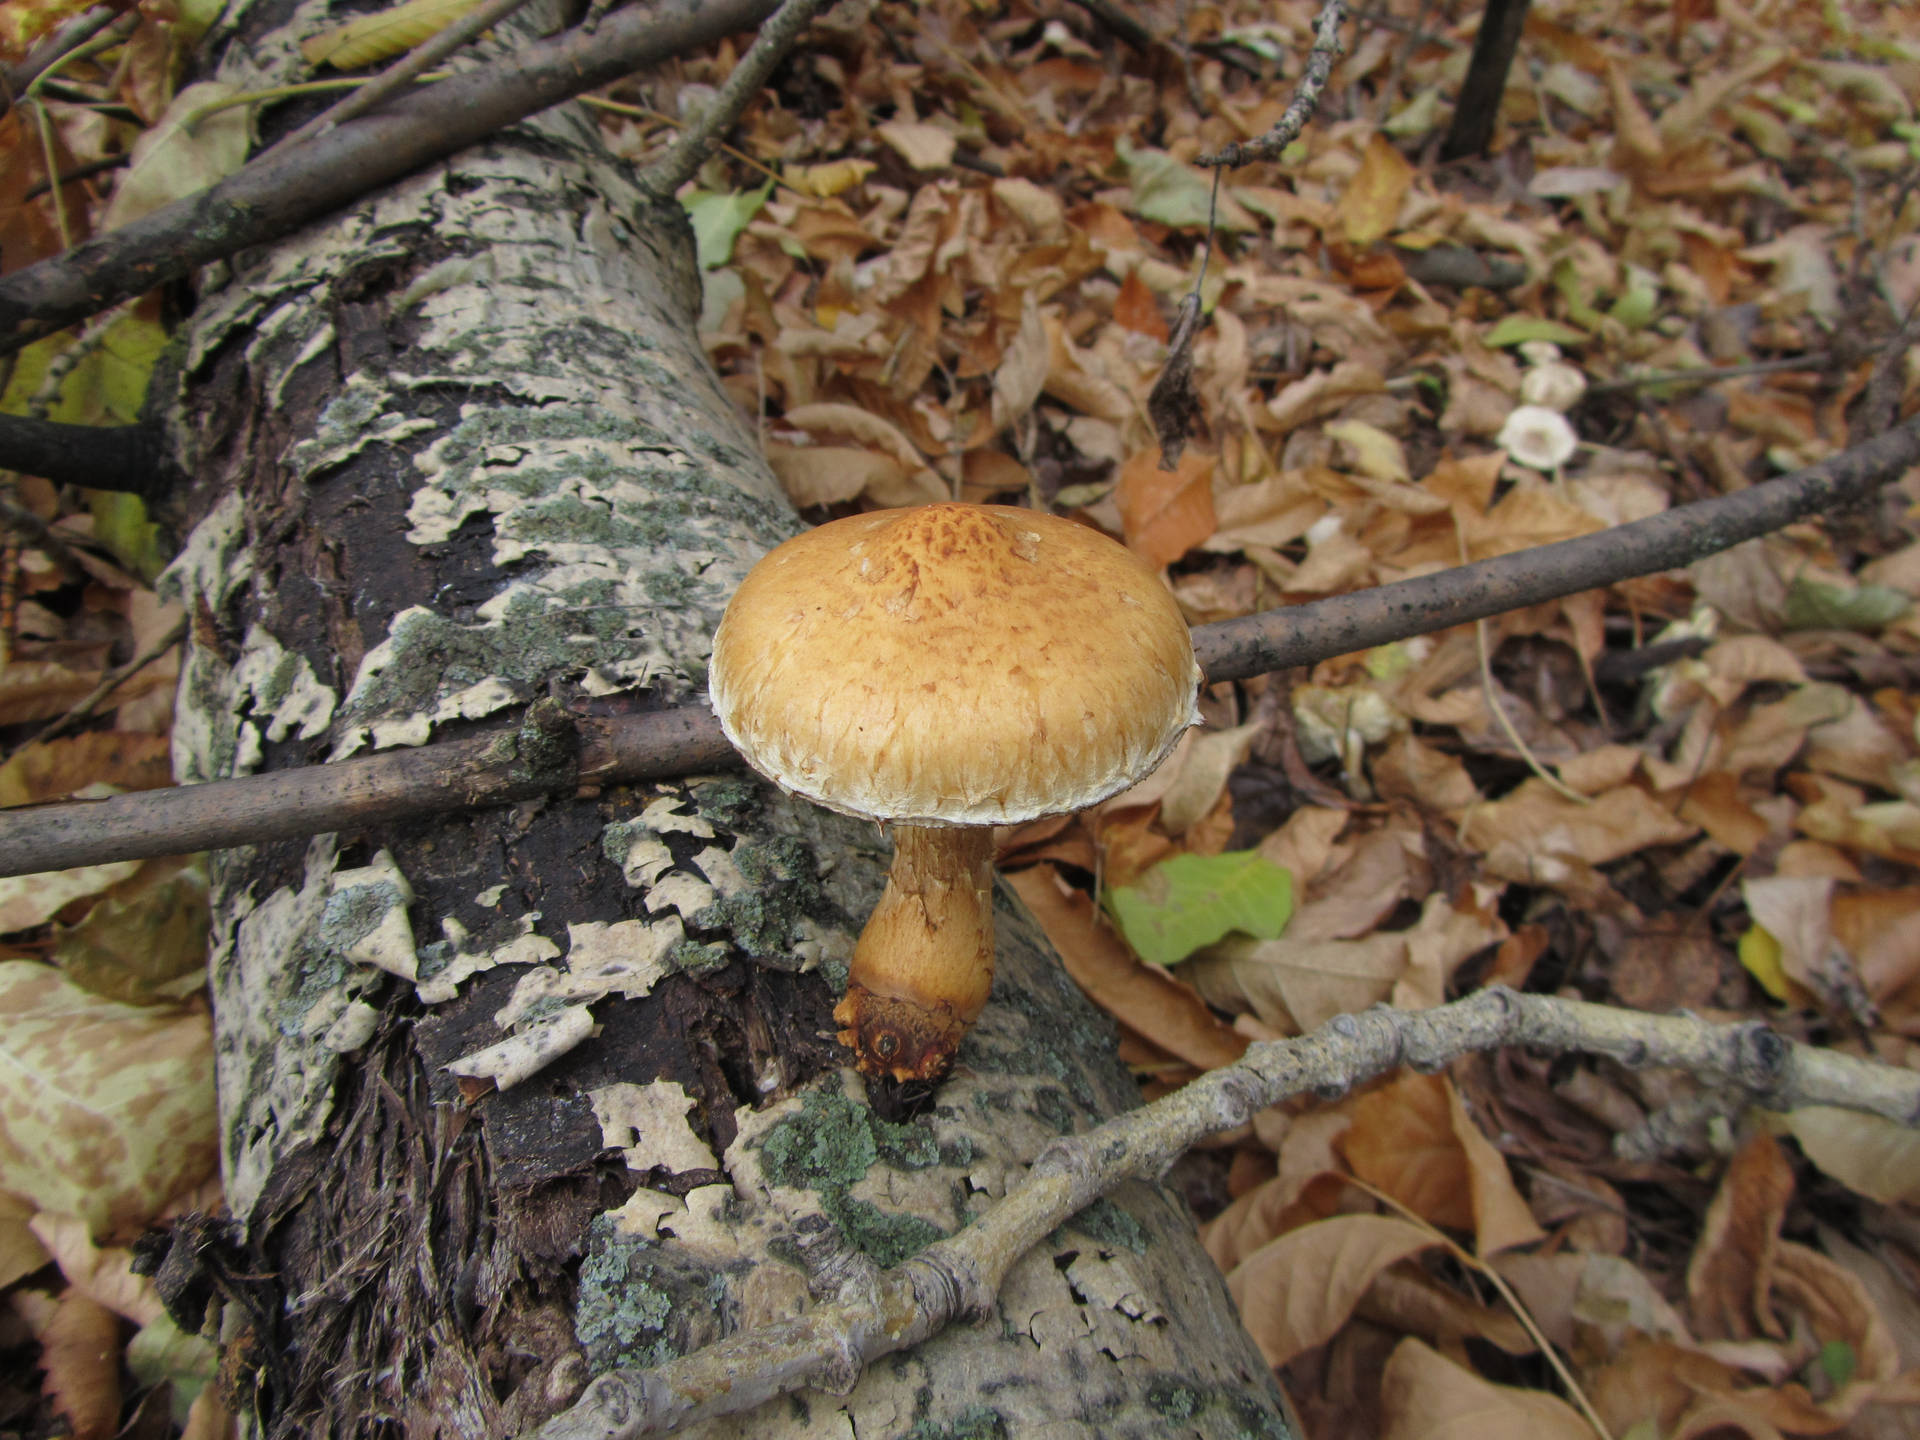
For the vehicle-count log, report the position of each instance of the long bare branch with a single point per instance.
(686, 739)
(878, 1312)
(278, 192)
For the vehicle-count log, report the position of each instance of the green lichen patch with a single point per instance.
(621, 1317)
(1112, 1227)
(828, 1146)
(1176, 1399)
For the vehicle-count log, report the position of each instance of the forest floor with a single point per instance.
(942, 258)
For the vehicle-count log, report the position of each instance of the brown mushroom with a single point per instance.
(944, 670)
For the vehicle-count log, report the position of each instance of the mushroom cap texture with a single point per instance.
(953, 665)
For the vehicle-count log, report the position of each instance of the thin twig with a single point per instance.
(1326, 50)
(79, 172)
(63, 45)
(1709, 374)
(44, 123)
(687, 739)
(406, 69)
(878, 1312)
(110, 682)
(683, 160)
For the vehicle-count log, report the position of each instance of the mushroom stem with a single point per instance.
(924, 964)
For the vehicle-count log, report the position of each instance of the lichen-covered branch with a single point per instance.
(1326, 51)
(687, 739)
(879, 1312)
(688, 153)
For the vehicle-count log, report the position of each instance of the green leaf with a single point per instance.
(1815, 605)
(719, 219)
(1639, 301)
(106, 387)
(1192, 900)
(162, 1351)
(1169, 192)
(120, 523)
(1838, 1362)
(1519, 329)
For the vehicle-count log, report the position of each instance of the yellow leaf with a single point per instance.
(372, 38)
(828, 178)
(1760, 953)
(1372, 202)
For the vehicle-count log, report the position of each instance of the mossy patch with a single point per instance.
(1110, 1226)
(828, 1146)
(621, 1317)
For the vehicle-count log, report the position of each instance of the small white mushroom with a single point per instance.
(1538, 438)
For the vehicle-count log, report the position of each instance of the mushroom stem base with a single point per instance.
(923, 967)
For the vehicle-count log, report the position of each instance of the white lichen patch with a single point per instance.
(525, 948)
(352, 1028)
(529, 1051)
(280, 688)
(278, 992)
(354, 419)
(679, 891)
(644, 1210)
(1110, 1281)
(490, 897)
(648, 1125)
(815, 945)
(667, 814)
(642, 856)
(717, 865)
(204, 575)
(627, 957)
(366, 921)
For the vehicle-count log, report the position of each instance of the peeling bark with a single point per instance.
(512, 1097)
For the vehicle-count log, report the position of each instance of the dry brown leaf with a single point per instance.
(1139, 995)
(1425, 1396)
(1371, 204)
(1197, 786)
(1022, 370)
(30, 900)
(104, 1274)
(1294, 1292)
(1731, 1272)
(21, 1252)
(1294, 988)
(49, 769)
(1166, 513)
(1406, 767)
(39, 690)
(1403, 1144)
(923, 146)
(1502, 1220)
(1407, 1299)
(1875, 1157)
(1548, 825)
(109, 1107)
(1794, 910)
(829, 474)
(1357, 896)
(1713, 803)
(80, 1353)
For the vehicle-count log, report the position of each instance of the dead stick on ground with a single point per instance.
(877, 1312)
(1326, 50)
(688, 153)
(687, 740)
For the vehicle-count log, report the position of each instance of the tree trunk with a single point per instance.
(461, 462)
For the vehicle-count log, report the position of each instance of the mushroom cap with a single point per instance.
(953, 665)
